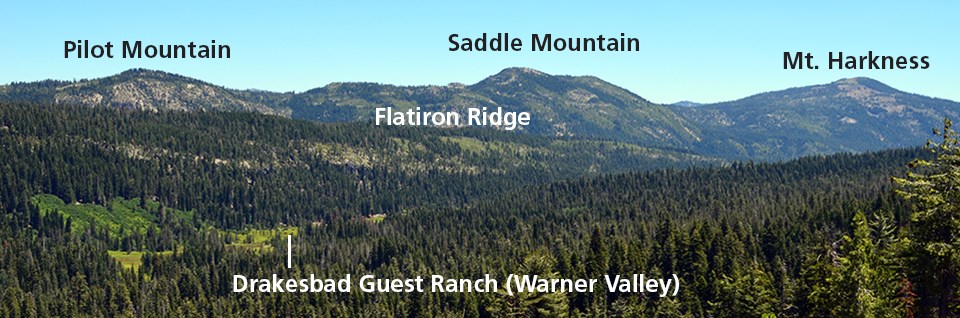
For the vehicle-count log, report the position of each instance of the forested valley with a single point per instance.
(112, 212)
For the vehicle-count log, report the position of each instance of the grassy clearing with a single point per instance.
(257, 239)
(117, 214)
(132, 260)
(376, 218)
(256, 247)
(123, 216)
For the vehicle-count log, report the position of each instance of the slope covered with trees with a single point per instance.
(822, 236)
(848, 115)
(239, 169)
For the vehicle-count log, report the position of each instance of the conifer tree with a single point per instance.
(533, 304)
(934, 188)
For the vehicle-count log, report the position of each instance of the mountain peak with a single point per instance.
(850, 114)
(157, 90)
(855, 80)
(521, 70)
(686, 103)
(864, 83)
(142, 73)
(513, 75)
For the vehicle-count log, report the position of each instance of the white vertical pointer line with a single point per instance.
(289, 250)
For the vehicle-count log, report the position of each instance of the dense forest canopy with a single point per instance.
(111, 212)
(239, 169)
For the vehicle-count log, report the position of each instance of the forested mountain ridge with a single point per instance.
(849, 115)
(292, 169)
(564, 105)
(146, 90)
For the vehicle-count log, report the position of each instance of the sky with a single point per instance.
(706, 51)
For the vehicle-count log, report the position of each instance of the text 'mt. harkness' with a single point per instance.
(869, 61)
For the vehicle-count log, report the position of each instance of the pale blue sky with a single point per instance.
(705, 52)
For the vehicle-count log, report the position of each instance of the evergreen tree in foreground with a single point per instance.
(533, 304)
(934, 187)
